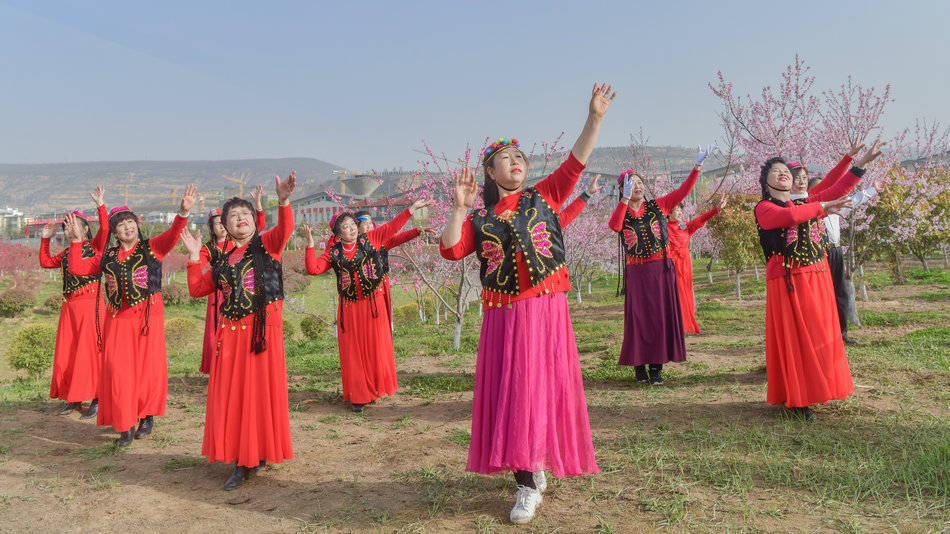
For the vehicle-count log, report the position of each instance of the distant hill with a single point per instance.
(38, 188)
(57, 186)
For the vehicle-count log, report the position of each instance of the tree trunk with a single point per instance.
(923, 261)
(709, 271)
(852, 307)
(738, 287)
(578, 291)
(437, 307)
(946, 256)
(755, 266)
(457, 338)
(863, 287)
(588, 287)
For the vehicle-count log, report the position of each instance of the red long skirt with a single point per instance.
(247, 418)
(684, 286)
(134, 378)
(208, 348)
(804, 354)
(365, 338)
(77, 359)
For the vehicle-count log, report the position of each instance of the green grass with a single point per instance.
(102, 451)
(460, 437)
(179, 464)
(433, 385)
(895, 318)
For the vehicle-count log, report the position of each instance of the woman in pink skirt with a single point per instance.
(529, 412)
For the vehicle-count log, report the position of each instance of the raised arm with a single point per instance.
(600, 98)
(78, 265)
(163, 243)
(99, 241)
(616, 219)
(697, 223)
(770, 216)
(200, 281)
(257, 195)
(276, 238)
(839, 170)
(46, 260)
(402, 238)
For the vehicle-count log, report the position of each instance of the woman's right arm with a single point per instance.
(47, 261)
(771, 216)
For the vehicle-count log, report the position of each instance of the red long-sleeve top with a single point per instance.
(679, 237)
(555, 189)
(572, 210)
(378, 237)
(666, 205)
(200, 282)
(98, 242)
(771, 216)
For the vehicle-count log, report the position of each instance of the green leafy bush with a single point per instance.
(53, 302)
(174, 294)
(313, 329)
(178, 332)
(290, 329)
(32, 349)
(15, 300)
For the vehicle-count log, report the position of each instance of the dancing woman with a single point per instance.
(529, 411)
(247, 419)
(365, 336)
(652, 320)
(804, 354)
(76, 356)
(679, 234)
(133, 383)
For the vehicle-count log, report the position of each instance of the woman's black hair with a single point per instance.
(764, 174)
(338, 221)
(124, 215)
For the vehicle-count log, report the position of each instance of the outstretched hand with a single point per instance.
(285, 188)
(836, 207)
(878, 184)
(855, 149)
(465, 188)
(426, 230)
(188, 199)
(309, 233)
(98, 196)
(723, 200)
(419, 204)
(701, 154)
(870, 155)
(72, 229)
(49, 229)
(594, 186)
(257, 194)
(600, 98)
(192, 243)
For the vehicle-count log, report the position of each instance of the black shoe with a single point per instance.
(656, 375)
(641, 372)
(125, 438)
(237, 477)
(847, 340)
(70, 406)
(358, 408)
(92, 411)
(145, 427)
(260, 466)
(805, 414)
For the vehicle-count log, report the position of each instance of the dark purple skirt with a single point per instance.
(652, 322)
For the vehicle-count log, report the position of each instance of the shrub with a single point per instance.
(294, 282)
(54, 302)
(15, 300)
(407, 313)
(178, 332)
(290, 329)
(313, 329)
(174, 294)
(32, 349)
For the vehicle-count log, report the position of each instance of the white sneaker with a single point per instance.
(540, 481)
(526, 502)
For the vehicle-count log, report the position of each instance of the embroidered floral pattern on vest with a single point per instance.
(541, 239)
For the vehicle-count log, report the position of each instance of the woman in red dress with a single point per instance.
(364, 329)
(529, 411)
(76, 357)
(247, 418)
(804, 355)
(218, 244)
(133, 384)
(680, 233)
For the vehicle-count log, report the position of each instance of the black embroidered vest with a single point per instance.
(135, 279)
(647, 234)
(366, 267)
(72, 282)
(805, 243)
(237, 283)
(534, 229)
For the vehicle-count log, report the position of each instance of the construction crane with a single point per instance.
(240, 181)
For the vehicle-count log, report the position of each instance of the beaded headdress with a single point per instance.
(80, 214)
(496, 146)
(215, 212)
(118, 209)
(624, 174)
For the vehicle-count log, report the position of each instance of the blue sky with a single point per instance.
(362, 84)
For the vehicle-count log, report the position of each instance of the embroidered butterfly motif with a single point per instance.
(541, 239)
(345, 279)
(814, 232)
(630, 238)
(369, 270)
(493, 256)
(111, 286)
(791, 235)
(248, 281)
(140, 277)
(655, 226)
(226, 289)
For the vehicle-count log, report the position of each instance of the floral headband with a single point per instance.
(80, 214)
(624, 174)
(215, 212)
(496, 146)
(794, 164)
